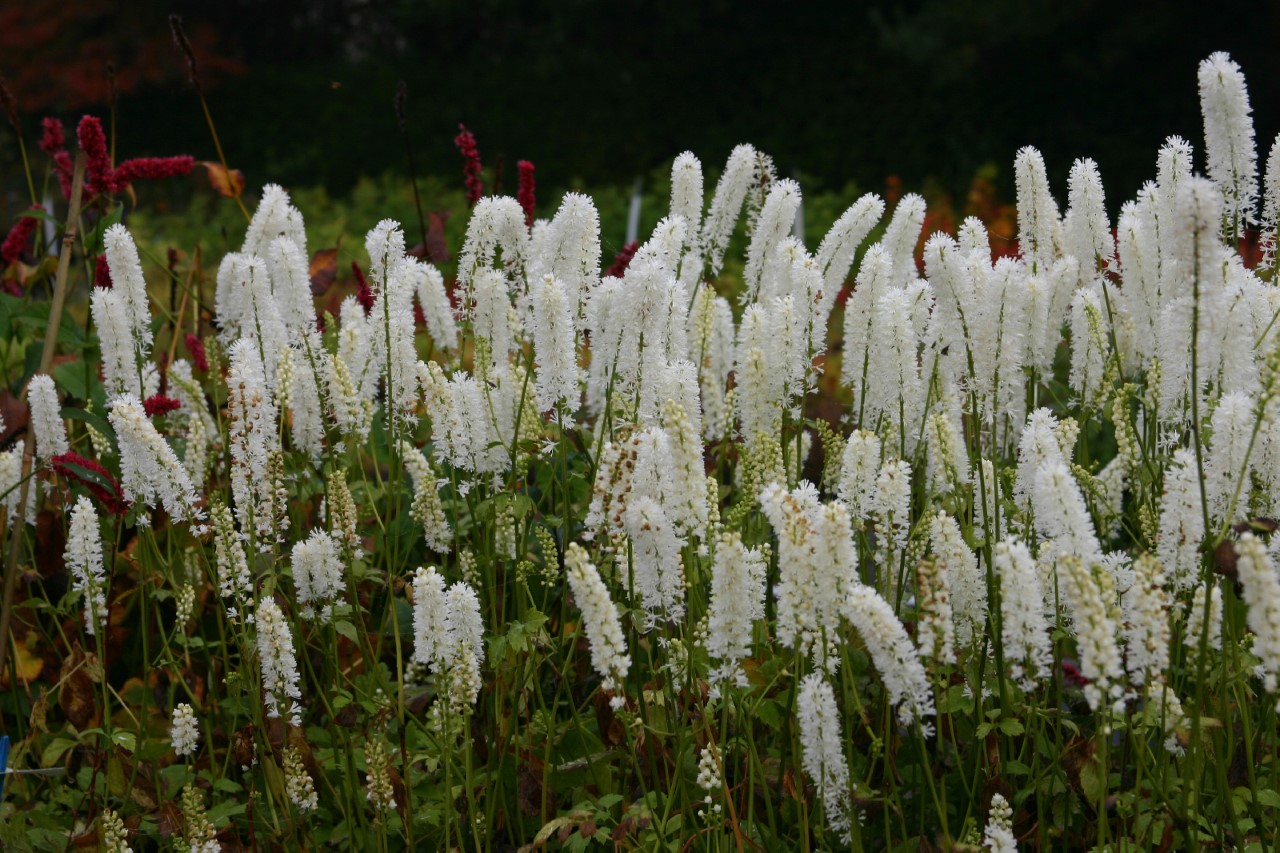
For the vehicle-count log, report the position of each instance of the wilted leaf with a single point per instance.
(76, 698)
(225, 182)
(323, 270)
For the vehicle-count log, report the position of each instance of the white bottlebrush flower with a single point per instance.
(301, 384)
(46, 418)
(83, 557)
(254, 437)
(1198, 628)
(274, 217)
(967, 583)
(1270, 221)
(1230, 152)
(185, 731)
(839, 247)
(1181, 527)
(497, 223)
(278, 662)
(1039, 226)
(428, 285)
(1038, 446)
(858, 470)
(599, 620)
(291, 284)
(1261, 592)
(149, 469)
(875, 275)
(740, 173)
(658, 568)
(793, 516)
(1061, 513)
(892, 653)
(775, 222)
(257, 315)
(1086, 230)
(997, 836)
(1228, 463)
(317, 575)
(737, 602)
(11, 486)
(1024, 629)
(1146, 629)
(462, 653)
(822, 750)
(429, 617)
(1096, 631)
(426, 507)
(686, 202)
(891, 503)
(1090, 346)
(127, 280)
(711, 341)
(759, 379)
(121, 369)
(554, 346)
(569, 249)
(901, 236)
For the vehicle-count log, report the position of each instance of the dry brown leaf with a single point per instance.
(225, 182)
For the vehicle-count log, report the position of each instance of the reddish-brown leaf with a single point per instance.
(323, 270)
(437, 246)
(15, 412)
(225, 182)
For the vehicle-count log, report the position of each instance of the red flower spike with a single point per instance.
(195, 346)
(622, 260)
(52, 139)
(18, 242)
(524, 194)
(471, 168)
(151, 167)
(62, 168)
(95, 478)
(93, 142)
(159, 404)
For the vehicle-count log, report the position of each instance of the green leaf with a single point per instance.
(1012, 727)
(52, 754)
(93, 419)
(1093, 780)
(1269, 798)
(126, 740)
(73, 377)
(346, 629)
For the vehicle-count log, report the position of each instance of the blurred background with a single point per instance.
(926, 96)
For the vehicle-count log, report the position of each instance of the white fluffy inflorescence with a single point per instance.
(149, 469)
(737, 601)
(84, 558)
(822, 750)
(1024, 629)
(1261, 586)
(997, 837)
(317, 575)
(1230, 150)
(448, 635)
(278, 662)
(185, 731)
(892, 653)
(46, 418)
(599, 620)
